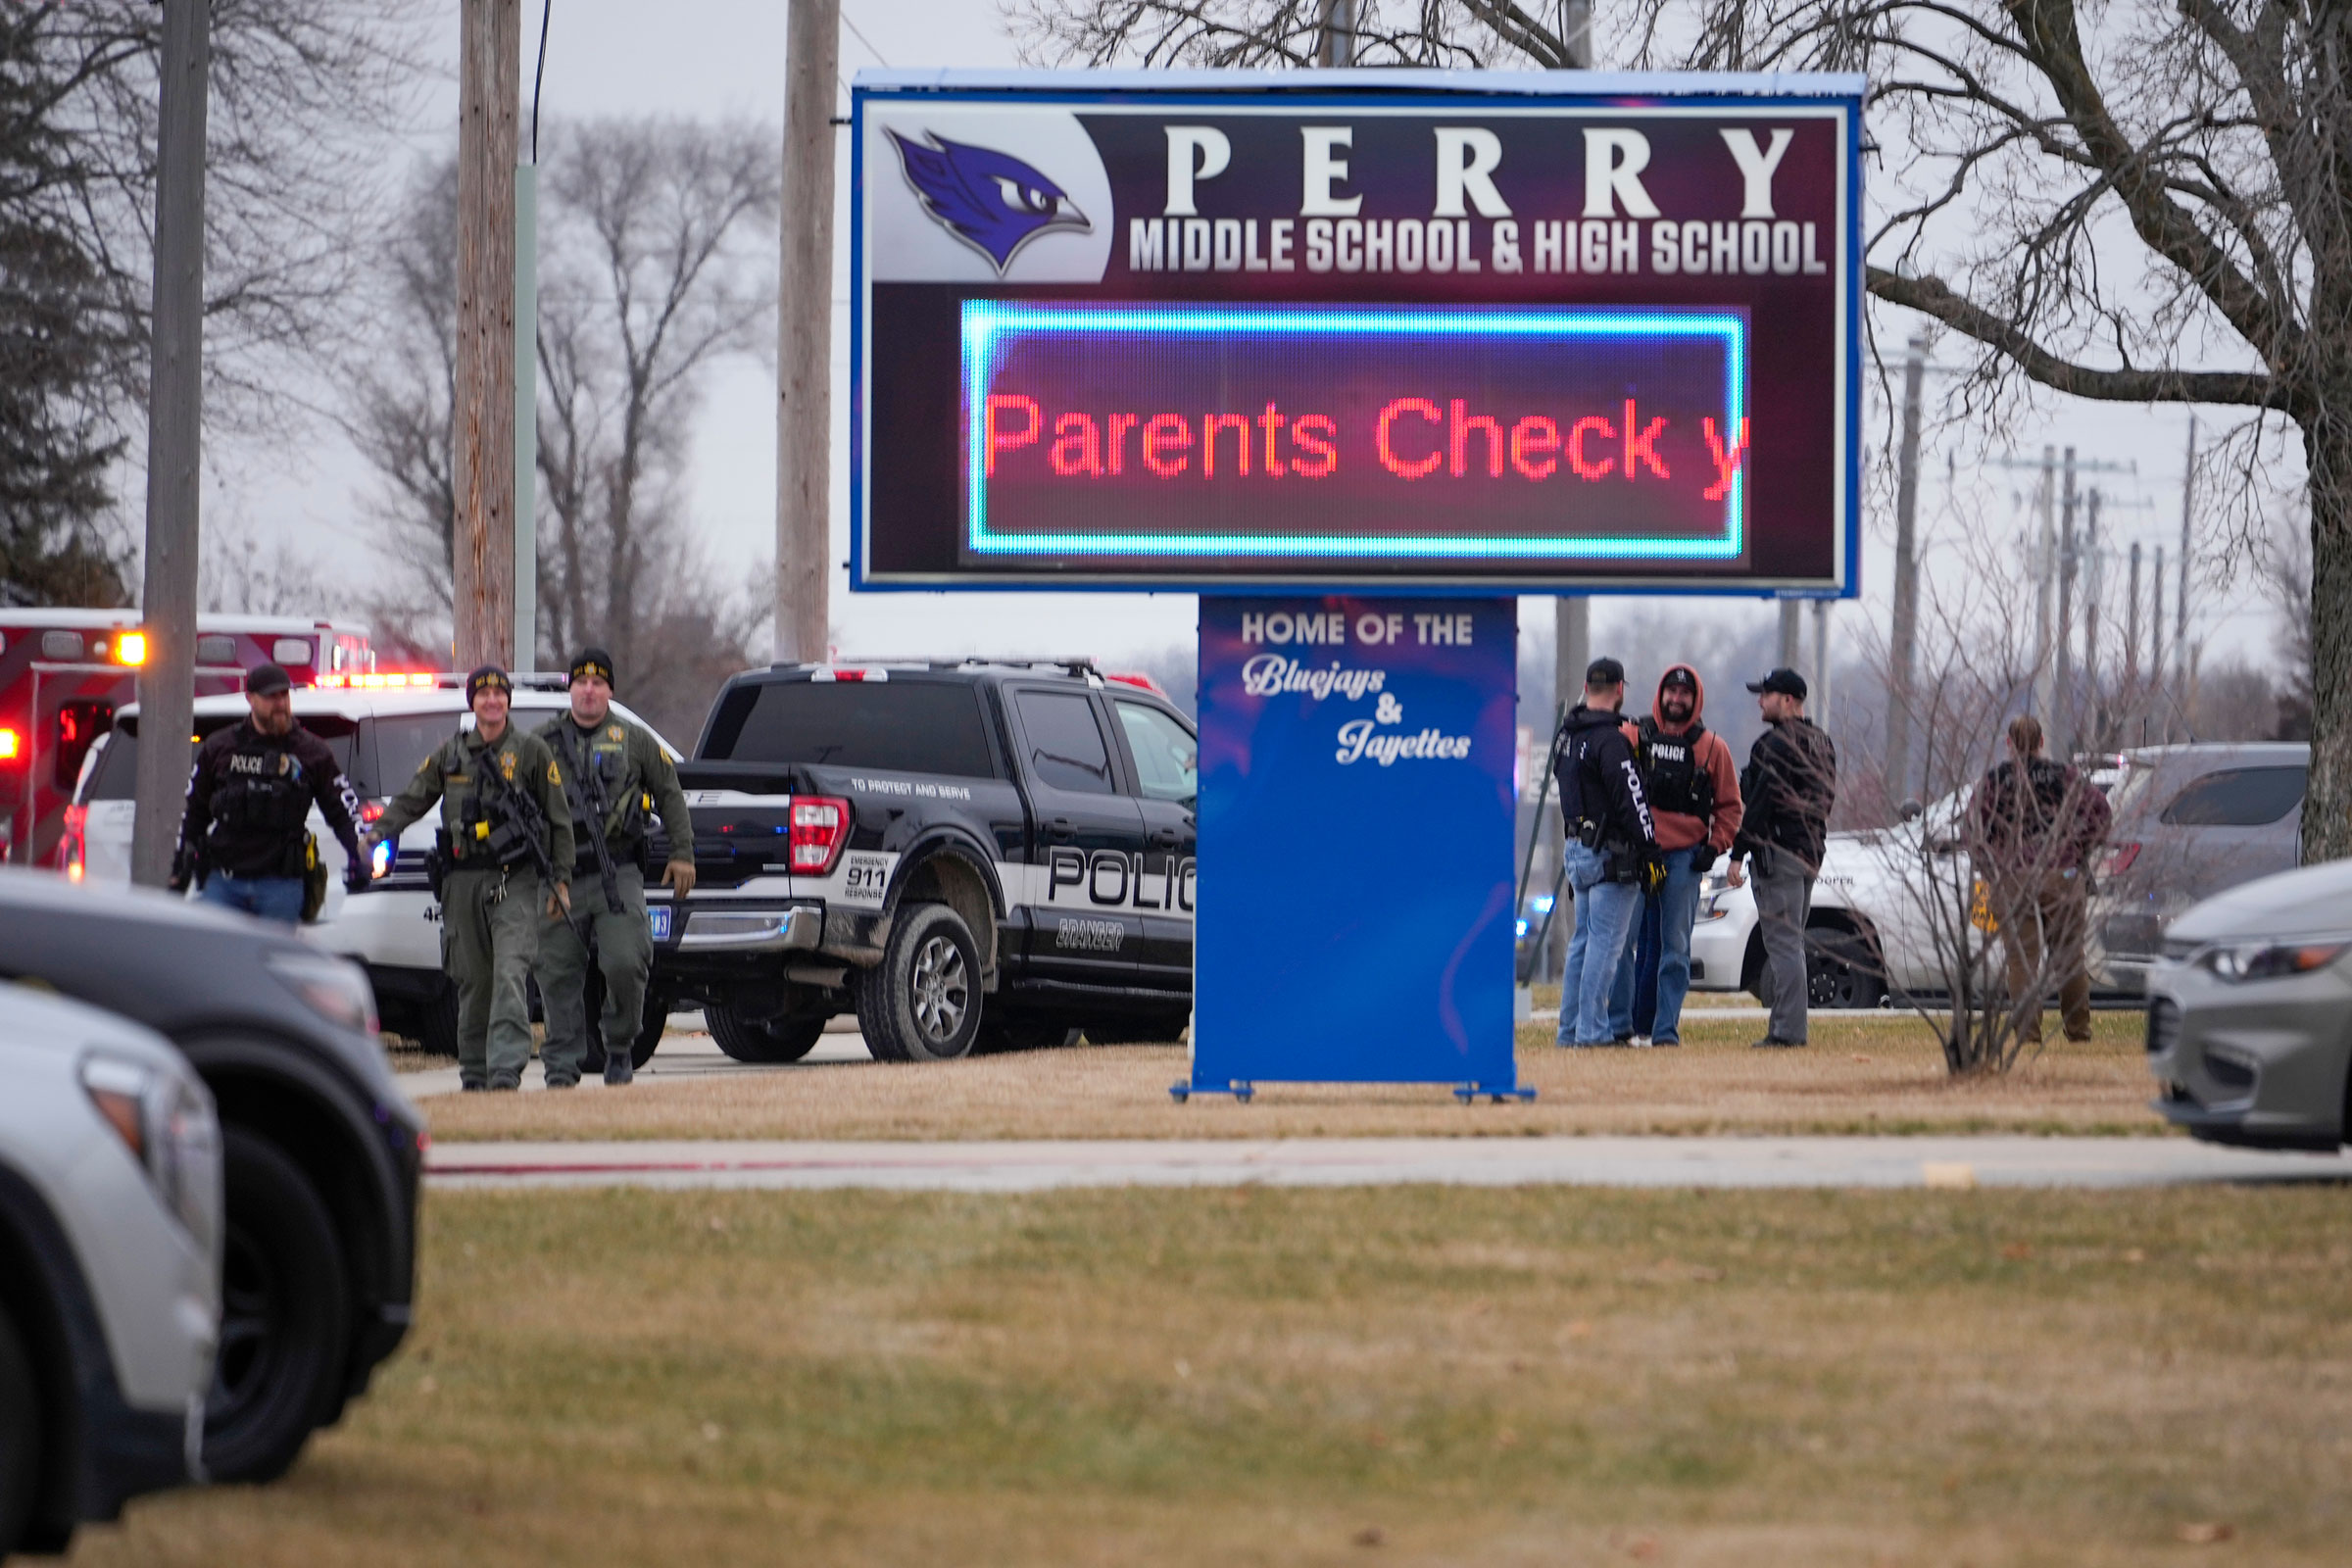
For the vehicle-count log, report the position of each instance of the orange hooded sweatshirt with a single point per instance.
(1678, 830)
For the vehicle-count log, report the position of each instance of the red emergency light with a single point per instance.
(379, 681)
(11, 745)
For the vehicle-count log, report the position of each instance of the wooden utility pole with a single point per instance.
(1337, 46)
(174, 445)
(489, 92)
(1903, 633)
(2188, 493)
(805, 334)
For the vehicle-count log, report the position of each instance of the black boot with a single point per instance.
(618, 1069)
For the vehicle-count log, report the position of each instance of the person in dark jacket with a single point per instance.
(1789, 786)
(1611, 850)
(2034, 826)
(242, 839)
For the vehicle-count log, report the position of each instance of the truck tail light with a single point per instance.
(11, 745)
(821, 826)
(2120, 857)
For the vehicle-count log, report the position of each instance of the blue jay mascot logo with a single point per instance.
(991, 201)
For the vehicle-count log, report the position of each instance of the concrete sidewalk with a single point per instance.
(1022, 1167)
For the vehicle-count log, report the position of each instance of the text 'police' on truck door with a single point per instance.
(1085, 846)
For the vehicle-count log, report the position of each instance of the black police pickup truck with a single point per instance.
(979, 856)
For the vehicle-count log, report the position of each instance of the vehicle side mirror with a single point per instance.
(1910, 810)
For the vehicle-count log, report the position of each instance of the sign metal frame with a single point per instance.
(1368, 94)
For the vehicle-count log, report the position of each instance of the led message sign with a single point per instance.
(1107, 336)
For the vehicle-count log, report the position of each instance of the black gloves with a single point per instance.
(1704, 858)
(355, 874)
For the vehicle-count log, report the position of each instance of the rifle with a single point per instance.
(592, 795)
(526, 816)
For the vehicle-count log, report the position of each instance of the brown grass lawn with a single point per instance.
(1879, 1073)
(1421, 1375)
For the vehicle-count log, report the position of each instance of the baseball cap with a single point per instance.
(1787, 682)
(1605, 671)
(1680, 676)
(486, 675)
(268, 680)
(592, 661)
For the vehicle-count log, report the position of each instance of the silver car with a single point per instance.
(110, 1241)
(2251, 1013)
(2189, 822)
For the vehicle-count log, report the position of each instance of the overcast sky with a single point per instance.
(709, 58)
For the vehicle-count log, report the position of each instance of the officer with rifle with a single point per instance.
(615, 776)
(503, 856)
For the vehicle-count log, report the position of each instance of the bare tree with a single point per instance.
(304, 96)
(1257, 33)
(651, 272)
(2153, 214)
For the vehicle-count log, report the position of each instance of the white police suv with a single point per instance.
(380, 728)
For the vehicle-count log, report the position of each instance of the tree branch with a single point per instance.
(1932, 296)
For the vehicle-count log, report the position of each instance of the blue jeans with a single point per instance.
(1604, 918)
(1655, 976)
(267, 897)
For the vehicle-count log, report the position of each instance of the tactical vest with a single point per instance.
(1675, 779)
(489, 832)
(263, 795)
(596, 770)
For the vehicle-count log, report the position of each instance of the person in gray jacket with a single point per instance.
(1789, 786)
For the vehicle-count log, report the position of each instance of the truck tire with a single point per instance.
(437, 1022)
(285, 1316)
(21, 1437)
(769, 1043)
(923, 1002)
(649, 1028)
(1842, 966)
(1002, 1031)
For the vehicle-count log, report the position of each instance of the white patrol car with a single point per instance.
(380, 728)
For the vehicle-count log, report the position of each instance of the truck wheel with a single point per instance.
(768, 1043)
(1002, 1031)
(286, 1317)
(437, 1022)
(649, 1028)
(20, 1437)
(1843, 968)
(923, 1002)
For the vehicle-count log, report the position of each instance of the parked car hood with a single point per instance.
(2310, 900)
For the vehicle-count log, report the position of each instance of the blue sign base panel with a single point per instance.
(1354, 921)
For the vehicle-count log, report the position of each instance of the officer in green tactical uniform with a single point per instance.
(503, 856)
(614, 774)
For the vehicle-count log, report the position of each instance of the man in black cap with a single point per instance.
(242, 838)
(503, 817)
(1789, 786)
(1610, 849)
(615, 776)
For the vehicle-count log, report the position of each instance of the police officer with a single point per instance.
(241, 835)
(503, 821)
(1611, 850)
(614, 777)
